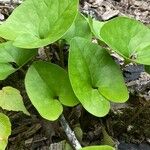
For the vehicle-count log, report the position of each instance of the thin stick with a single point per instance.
(10, 1)
(70, 134)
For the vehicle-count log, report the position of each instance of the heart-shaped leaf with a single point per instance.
(10, 99)
(102, 147)
(129, 38)
(79, 28)
(36, 23)
(48, 87)
(95, 77)
(5, 131)
(11, 55)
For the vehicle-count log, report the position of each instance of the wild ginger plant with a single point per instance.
(92, 79)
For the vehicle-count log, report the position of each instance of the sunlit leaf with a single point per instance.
(36, 23)
(79, 28)
(48, 87)
(95, 77)
(96, 26)
(10, 99)
(5, 131)
(129, 38)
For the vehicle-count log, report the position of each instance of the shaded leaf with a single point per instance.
(103, 147)
(48, 87)
(63, 145)
(79, 28)
(78, 132)
(107, 139)
(147, 69)
(9, 55)
(95, 77)
(67, 146)
(5, 131)
(10, 99)
(128, 38)
(36, 23)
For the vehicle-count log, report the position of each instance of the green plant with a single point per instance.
(56, 89)
(129, 38)
(10, 99)
(5, 130)
(104, 147)
(94, 78)
(147, 69)
(13, 58)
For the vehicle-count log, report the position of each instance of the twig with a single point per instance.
(7, 7)
(10, 1)
(70, 134)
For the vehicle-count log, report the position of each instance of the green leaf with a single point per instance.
(5, 131)
(48, 87)
(79, 28)
(128, 38)
(147, 69)
(10, 99)
(5, 70)
(103, 147)
(95, 26)
(11, 55)
(36, 23)
(67, 146)
(107, 139)
(95, 77)
(78, 132)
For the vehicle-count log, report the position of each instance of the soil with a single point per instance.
(127, 124)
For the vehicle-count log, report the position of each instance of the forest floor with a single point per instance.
(127, 124)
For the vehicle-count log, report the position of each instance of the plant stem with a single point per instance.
(47, 54)
(70, 134)
(61, 54)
